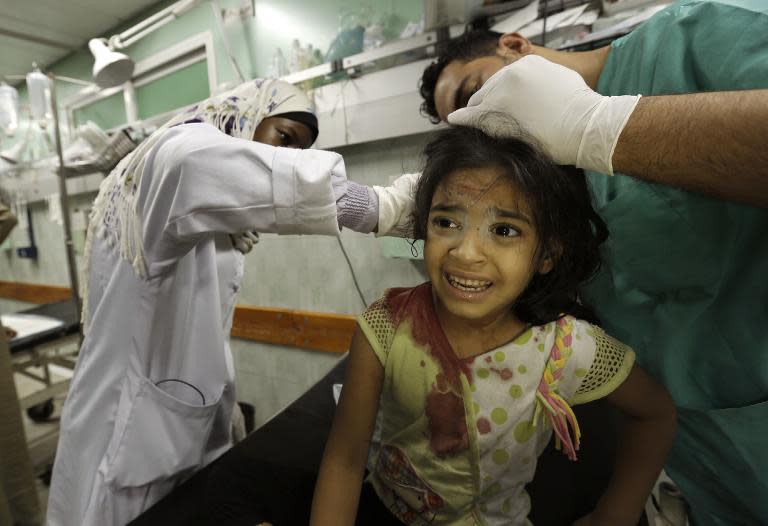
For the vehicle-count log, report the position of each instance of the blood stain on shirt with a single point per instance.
(483, 425)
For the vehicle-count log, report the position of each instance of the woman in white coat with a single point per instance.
(152, 395)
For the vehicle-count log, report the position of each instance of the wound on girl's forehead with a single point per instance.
(467, 186)
(486, 187)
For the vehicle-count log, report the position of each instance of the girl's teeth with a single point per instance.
(473, 285)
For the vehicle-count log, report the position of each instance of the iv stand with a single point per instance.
(69, 244)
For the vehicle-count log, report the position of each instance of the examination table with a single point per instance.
(275, 467)
(47, 334)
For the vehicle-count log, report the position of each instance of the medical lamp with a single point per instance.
(110, 67)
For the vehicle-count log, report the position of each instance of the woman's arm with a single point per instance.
(341, 472)
(645, 439)
(198, 181)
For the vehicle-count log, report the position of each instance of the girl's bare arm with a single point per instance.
(341, 473)
(644, 441)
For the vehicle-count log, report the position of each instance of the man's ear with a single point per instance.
(513, 43)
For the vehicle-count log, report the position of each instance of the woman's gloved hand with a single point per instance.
(574, 124)
(396, 206)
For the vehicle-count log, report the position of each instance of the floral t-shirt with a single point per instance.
(461, 436)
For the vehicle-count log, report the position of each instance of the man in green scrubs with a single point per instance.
(685, 280)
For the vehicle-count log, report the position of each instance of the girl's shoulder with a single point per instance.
(399, 303)
(380, 320)
(580, 334)
(594, 362)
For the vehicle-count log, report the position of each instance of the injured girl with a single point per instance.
(475, 370)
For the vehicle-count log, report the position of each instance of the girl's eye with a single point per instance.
(285, 138)
(505, 230)
(444, 222)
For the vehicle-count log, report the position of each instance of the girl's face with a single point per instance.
(481, 246)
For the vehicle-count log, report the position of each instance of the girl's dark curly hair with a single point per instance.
(569, 229)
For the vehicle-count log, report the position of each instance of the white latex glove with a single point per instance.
(396, 205)
(244, 241)
(574, 124)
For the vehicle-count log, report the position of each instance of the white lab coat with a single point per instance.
(126, 441)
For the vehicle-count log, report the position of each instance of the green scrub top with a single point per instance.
(685, 280)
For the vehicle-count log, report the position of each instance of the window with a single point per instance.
(174, 78)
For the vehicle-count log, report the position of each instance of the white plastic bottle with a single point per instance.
(277, 68)
(9, 108)
(39, 90)
(294, 56)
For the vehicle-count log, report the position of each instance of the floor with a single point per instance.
(42, 436)
(42, 439)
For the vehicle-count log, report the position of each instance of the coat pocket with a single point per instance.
(156, 435)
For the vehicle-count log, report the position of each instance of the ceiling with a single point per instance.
(45, 31)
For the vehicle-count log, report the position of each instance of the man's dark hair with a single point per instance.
(469, 46)
(570, 231)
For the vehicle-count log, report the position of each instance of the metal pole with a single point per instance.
(69, 245)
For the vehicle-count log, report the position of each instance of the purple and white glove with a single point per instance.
(357, 206)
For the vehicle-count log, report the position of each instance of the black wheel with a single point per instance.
(45, 477)
(41, 412)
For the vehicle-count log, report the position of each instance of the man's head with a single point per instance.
(464, 65)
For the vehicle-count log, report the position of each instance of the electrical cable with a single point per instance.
(352, 271)
(220, 22)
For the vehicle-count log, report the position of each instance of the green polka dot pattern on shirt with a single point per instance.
(499, 356)
(524, 431)
(500, 457)
(493, 489)
(522, 369)
(523, 338)
(483, 373)
(515, 391)
(499, 415)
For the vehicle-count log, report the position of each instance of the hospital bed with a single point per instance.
(275, 468)
(46, 335)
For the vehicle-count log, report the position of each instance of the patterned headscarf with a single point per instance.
(236, 112)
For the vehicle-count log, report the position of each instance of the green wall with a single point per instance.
(253, 41)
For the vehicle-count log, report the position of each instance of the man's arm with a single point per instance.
(710, 143)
